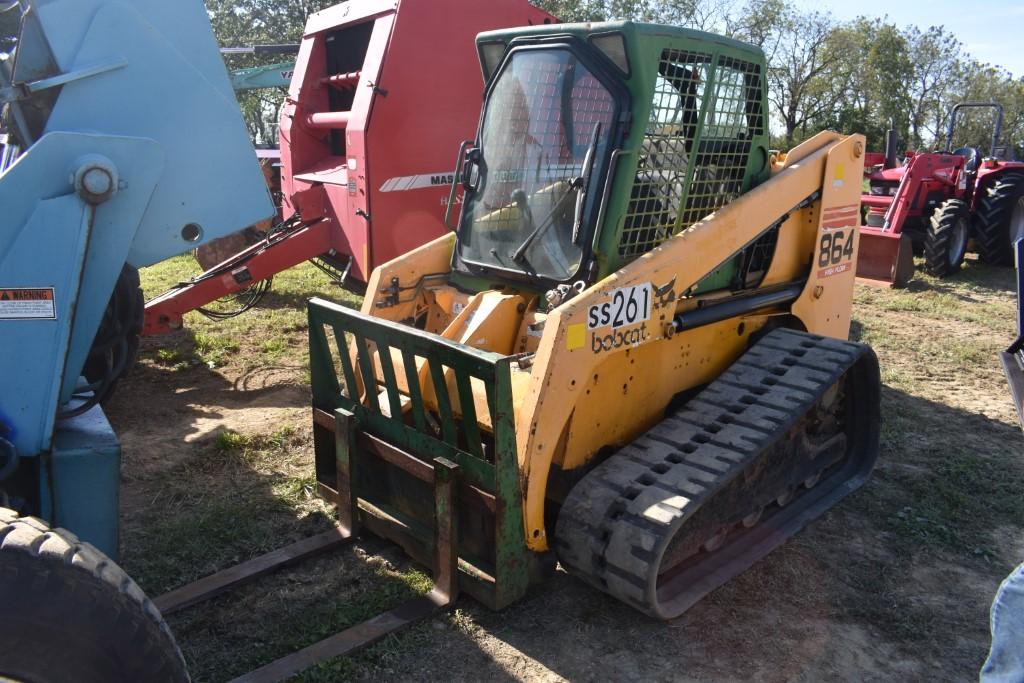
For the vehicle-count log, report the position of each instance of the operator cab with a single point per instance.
(553, 114)
(599, 142)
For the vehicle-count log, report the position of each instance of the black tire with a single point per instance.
(68, 613)
(994, 213)
(945, 243)
(116, 346)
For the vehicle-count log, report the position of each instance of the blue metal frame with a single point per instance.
(52, 238)
(140, 97)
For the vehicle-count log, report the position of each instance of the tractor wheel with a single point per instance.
(116, 344)
(67, 613)
(945, 243)
(999, 220)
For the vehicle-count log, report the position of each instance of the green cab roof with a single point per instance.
(631, 29)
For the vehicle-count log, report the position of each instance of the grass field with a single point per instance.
(894, 584)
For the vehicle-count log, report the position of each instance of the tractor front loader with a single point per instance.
(634, 347)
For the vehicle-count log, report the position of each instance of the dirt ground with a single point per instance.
(893, 584)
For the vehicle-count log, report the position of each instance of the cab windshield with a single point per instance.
(546, 127)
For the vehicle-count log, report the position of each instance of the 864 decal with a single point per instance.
(835, 251)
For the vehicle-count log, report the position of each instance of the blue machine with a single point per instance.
(125, 146)
(1013, 357)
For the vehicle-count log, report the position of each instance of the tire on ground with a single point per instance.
(945, 242)
(68, 613)
(993, 212)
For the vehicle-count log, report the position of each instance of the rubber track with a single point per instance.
(617, 523)
(32, 537)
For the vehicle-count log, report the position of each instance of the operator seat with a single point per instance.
(972, 155)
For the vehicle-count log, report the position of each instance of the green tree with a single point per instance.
(850, 45)
(803, 75)
(890, 73)
(980, 82)
(935, 55)
(570, 11)
(761, 23)
(871, 85)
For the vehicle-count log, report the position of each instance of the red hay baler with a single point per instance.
(383, 93)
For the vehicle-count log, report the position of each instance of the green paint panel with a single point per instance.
(697, 136)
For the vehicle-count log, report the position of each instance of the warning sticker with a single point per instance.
(27, 304)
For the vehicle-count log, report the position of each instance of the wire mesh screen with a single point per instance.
(693, 161)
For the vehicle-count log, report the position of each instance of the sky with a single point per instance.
(991, 30)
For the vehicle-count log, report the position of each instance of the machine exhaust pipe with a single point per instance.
(890, 148)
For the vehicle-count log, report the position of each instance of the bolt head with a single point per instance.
(97, 181)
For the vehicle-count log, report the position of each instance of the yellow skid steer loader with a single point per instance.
(631, 352)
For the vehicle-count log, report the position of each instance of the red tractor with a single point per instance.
(934, 204)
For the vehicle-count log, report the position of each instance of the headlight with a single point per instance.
(893, 190)
(877, 190)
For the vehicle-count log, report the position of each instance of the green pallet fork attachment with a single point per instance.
(373, 455)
